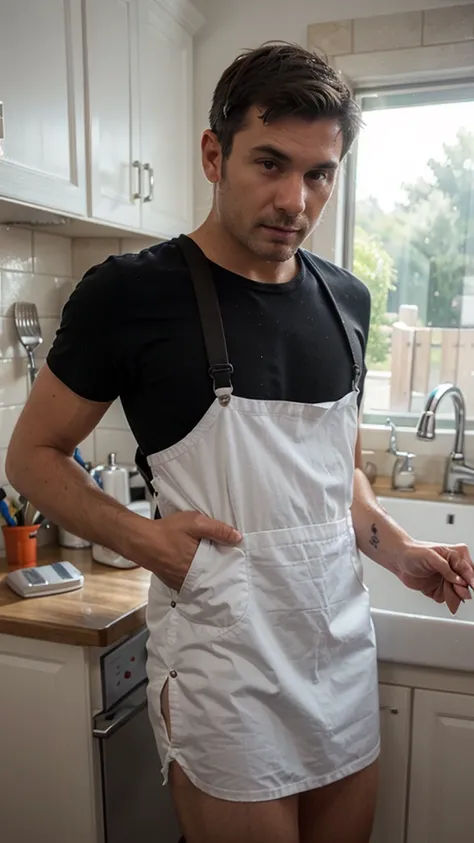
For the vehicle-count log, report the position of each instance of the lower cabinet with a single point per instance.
(395, 727)
(442, 769)
(48, 776)
(426, 767)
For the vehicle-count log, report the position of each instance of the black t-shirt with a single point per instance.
(131, 329)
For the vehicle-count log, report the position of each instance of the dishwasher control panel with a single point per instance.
(123, 668)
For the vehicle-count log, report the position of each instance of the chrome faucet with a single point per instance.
(457, 472)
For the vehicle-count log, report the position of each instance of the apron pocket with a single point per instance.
(310, 568)
(215, 590)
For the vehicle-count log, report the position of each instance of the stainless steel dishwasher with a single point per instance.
(137, 808)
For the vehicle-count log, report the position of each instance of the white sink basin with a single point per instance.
(411, 628)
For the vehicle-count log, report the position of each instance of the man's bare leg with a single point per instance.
(205, 819)
(342, 812)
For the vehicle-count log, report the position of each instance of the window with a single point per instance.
(410, 237)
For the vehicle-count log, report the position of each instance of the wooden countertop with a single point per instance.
(111, 604)
(423, 492)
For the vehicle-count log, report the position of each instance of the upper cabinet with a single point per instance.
(107, 82)
(166, 127)
(111, 56)
(42, 97)
(139, 71)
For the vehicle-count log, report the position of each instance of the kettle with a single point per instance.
(113, 479)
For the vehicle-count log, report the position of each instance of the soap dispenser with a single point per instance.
(403, 474)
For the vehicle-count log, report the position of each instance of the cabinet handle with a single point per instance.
(138, 167)
(151, 183)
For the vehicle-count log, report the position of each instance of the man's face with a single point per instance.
(271, 191)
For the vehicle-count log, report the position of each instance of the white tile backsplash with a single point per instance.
(9, 343)
(13, 382)
(48, 292)
(43, 268)
(8, 419)
(16, 249)
(52, 255)
(119, 441)
(114, 418)
(135, 244)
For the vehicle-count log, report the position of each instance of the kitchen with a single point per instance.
(114, 175)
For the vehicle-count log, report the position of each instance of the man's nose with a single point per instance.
(291, 195)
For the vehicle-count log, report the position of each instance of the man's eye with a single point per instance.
(318, 175)
(269, 166)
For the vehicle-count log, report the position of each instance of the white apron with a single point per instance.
(268, 649)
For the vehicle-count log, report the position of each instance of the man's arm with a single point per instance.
(40, 466)
(378, 535)
(441, 572)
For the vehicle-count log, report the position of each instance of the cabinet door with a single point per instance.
(394, 759)
(42, 90)
(113, 124)
(47, 788)
(442, 769)
(165, 57)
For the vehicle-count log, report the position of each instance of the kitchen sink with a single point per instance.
(411, 628)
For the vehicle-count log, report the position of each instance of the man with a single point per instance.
(262, 663)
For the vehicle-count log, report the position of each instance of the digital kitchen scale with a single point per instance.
(45, 579)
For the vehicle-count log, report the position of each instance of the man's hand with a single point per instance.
(178, 537)
(442, 572)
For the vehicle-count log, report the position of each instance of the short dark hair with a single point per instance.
(283, 80)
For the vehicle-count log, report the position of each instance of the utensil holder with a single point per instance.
(20, 546)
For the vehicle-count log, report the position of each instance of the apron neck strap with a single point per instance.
(220, 369)
(354, 346)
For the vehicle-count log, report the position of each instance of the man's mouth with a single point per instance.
(282, 230)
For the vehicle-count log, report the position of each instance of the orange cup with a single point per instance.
(20, 546)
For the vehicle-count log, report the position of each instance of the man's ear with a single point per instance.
(211, 157)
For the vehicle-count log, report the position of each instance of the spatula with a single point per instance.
(29, 332)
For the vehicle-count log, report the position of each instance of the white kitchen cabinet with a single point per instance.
(442, 769)
(395, 714)
(113, 125)
(42, 96)
(166, 127)
(46, 735)
(139, 71)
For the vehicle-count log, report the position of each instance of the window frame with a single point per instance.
(347, 215)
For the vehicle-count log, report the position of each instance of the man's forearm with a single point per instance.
(68, 496)
(377, 534)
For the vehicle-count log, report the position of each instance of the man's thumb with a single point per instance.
(216, 531)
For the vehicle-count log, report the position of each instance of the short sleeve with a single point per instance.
(85, 354)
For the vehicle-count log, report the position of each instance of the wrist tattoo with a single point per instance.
(374, 539)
